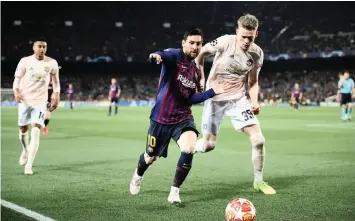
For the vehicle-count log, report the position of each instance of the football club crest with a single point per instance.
(214, 42)
(250, 62)
(47, 69)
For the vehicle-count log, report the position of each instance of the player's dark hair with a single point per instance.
(39, 39)
(193, 31)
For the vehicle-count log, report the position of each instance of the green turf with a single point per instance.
(84, 166)
(10, 215)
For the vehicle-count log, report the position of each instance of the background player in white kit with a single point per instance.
(30, 86)
(237, 60)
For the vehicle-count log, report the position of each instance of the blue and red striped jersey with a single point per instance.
(296, 93)
(114, 88)
(179, 80)
(70, 92)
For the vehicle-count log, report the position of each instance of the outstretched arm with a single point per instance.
(216, 89)
(163, 56)
(201, 97)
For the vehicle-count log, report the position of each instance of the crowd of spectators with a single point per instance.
(274, 87)
(129, 31)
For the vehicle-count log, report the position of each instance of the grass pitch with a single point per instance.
(83, 169)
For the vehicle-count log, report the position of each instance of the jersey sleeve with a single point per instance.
(218, 45)
(261, 59)
(21, 69)
(340, 84)
(259, 63)
(55, 68)
(168, 55)
(201, 97)
(55, 75)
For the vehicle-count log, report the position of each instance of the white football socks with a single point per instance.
(258, 159)
(33, 147)
(258, 155)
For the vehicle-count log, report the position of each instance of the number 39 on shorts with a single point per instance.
(247, 115)
(152, 141)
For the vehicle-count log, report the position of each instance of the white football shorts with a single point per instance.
(239, 112)
(31, 114)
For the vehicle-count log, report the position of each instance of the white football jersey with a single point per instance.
(232, 64)
(35, 76)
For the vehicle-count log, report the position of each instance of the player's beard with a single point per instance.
(193, 54)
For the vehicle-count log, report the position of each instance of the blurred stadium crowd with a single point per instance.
(122, 31)
(274, 87)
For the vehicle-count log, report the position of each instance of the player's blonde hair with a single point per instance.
(249, 22)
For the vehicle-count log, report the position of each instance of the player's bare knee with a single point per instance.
(210, 142)
(37, 125)
(257, 140)
(210, 145)
(23, 129)
(187, 141)
(188, 148)
(350, 105)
